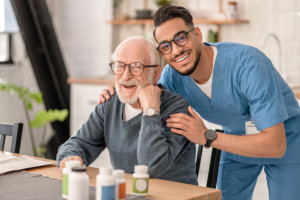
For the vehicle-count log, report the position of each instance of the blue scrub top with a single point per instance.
(245, 87)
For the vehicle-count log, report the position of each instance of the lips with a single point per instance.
(181, 58)
(129, 86)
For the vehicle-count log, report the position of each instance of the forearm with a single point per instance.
(77, 147)
(153, 149)
(269, 143)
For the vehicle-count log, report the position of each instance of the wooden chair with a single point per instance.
(13, 130)
(213, 166)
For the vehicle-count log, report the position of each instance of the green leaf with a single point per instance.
(43, 117)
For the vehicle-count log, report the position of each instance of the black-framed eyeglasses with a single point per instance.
(135, 68)
(180, 39)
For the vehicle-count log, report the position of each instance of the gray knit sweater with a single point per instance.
(141, 140)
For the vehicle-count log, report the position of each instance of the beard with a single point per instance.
(127, 98)
(190, 71)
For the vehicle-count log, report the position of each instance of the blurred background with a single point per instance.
(73, 41)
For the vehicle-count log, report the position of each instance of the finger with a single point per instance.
(61, 165)
(178, 121)
(111, 89)
(192, 112)
(179, 132)
(105, 94)
(181, 116)
(101, 99)
(178, 126)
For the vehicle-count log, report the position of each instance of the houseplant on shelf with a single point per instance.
(160, 3)
(41, 119)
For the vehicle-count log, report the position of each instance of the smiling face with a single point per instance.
(184, 59)
(127, 84)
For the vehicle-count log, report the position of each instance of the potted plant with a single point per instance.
(163, 2)
(41, 119)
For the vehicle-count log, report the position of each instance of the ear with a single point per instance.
(157, 73)
(198, 34)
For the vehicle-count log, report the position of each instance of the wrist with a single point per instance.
(151, 112)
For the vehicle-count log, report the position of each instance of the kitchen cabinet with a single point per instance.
(84, 98)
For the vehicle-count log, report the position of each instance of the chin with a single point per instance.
(128, 100)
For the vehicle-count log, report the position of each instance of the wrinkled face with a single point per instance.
(127, 84)
(184, 58)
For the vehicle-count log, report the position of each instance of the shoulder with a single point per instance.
(113, 102)
(173, 103)
(239, 52)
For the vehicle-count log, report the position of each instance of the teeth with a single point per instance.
(181, 59)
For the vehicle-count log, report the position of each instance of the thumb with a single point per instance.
(192, 112)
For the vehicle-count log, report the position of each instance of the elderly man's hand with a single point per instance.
(149, 97)
(62, 163)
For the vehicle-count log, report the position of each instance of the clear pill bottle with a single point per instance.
(105, 185)
(78, 184)
(140, 180)
(120, 184)
(65, 173)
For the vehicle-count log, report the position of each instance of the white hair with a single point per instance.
(154, 55)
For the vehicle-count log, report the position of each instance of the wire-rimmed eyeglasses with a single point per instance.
(135, 68)
(180, 39)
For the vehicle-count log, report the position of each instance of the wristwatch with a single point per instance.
(211, 136)
(151, 112)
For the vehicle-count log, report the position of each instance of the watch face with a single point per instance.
(150, 111)
(211, 135)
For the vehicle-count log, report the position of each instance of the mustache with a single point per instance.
(179, 54)
(130, 82)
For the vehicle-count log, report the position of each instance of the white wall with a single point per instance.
(84, 35)
(281, 17)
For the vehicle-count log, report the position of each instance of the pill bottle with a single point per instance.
(78, 184)
(65, 173)
(140, 180)
(232, 10)
(105, 185)
(120, 184)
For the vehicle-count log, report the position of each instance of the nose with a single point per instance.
(127, 75)
(176, 49)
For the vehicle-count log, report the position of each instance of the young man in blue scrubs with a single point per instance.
(237, 87)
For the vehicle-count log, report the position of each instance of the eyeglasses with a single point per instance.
(135, 68)
(180, 39)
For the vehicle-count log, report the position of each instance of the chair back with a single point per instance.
(14, 131)
(213, 166)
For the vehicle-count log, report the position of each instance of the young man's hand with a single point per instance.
(106, 93)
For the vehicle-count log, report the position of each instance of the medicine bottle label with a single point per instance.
(108, 192)
(140, 185)
(122, 191)
(65, 184)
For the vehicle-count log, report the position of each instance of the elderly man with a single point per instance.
(132, 125)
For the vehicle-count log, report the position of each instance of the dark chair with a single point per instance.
(13, 130)
(213, 166)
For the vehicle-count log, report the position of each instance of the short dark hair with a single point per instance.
(169, 12)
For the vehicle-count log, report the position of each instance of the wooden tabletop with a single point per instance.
(158, 189)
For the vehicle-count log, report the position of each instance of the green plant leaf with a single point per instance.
(43, 117)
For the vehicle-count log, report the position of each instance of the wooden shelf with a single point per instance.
(196, 21)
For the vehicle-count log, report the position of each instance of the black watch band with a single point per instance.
(211, 136)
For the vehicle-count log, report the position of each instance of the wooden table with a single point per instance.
(158, 189)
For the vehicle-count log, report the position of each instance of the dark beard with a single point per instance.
(194, 67)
